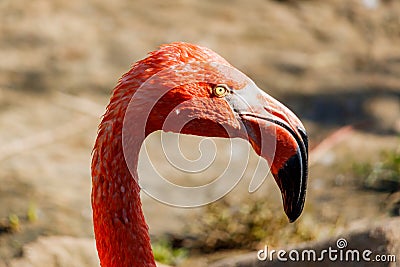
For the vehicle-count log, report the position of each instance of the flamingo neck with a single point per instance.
(122, 235)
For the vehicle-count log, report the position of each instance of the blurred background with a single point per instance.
(335, 63)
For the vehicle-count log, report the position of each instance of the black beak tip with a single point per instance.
(294, 215)
(292, 181)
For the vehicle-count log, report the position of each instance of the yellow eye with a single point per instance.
(220, 90)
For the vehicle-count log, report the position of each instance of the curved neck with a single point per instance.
(122, 236)
(121, 232)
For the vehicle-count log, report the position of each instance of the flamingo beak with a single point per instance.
(277, 135)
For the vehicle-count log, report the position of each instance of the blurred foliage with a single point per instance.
(165, 253)
(10, 224)
(32, 213)
(228, 226)
(383, 175)
(14, 222)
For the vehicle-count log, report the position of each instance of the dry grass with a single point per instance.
(226, 225)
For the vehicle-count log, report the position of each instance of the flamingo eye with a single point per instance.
(220, 90)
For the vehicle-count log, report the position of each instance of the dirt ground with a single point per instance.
(336, 63)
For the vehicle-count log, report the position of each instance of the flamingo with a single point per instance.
(214, 100)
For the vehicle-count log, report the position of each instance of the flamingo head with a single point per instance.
(192, 90)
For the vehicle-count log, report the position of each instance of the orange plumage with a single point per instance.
(122, 236)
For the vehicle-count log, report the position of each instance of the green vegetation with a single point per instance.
(14, 222)
(165, 253)
(228, 226)
(381, 176)
(32, 213)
